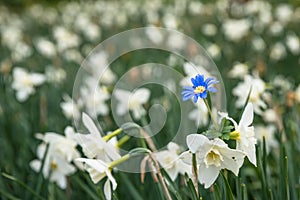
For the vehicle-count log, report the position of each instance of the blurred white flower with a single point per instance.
(199, 114)
(235, 30)
(244, 133)
(24, 83)
(57, 162)
(258, 44)
(154, 35)
(169, 159)
(132, 101)
(212, 156)
(284, 13)
(278, 51)
(65, 39)
(45, 47)
(70, 109)
(94, 97)
(267, 132)
(276, 28)
(98, 170)
(213, 50)
(209, 29)
(21, 51)
(269, 115)
(93, 145)
(11, 35)
(55, 75)
(239, 70)
(281, 82)
(293, 43)
(257, 87)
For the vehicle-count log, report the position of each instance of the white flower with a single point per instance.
(212, 156)
(45, 47)
(270, 115)
(70, 108)
(25, 82)
(244, 133)
(97, 170)
(93, 145)
(61, 151)
(55, 75)
(239, 70)
(257, 87)
(171, 162)
(209, 29)
(293, 43)
(258, 44)
(235, 30)
(267, 132)
(214, 50)
(298, 94)
(132, 101)
(284, 12)
(94, 97)
(278, 51)
(199, 114)
(65, 39)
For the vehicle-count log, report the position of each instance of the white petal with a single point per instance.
(35, 165)
(122, 95)
(195, 141)
(89, 124)
(111, 179)
(247, 117)
(186, 157)
(22, 95)
(208, 176)
(233, 159)
(141, 95)
(37, 79)
(225, 115)
(107, 190)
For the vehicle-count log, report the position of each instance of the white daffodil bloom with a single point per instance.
(24, 83)
(171, 162)
(132, 101)
(257, 87)
(94, 97)
(267, 132)
(93, 145)
(239, 70)
(97, 170)
(244, 133)
(61, 151)
(235, 30)
(212, 156)
(70, 109)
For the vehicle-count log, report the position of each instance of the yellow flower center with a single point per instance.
(234, 135)
(199, 90)
(214, 158)
(53, 166)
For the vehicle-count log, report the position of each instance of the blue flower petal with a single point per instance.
(212, 89)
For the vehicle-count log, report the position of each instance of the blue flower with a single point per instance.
(199, 89)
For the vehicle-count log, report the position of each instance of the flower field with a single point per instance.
(157, 99)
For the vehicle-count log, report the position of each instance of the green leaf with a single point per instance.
(191, 187)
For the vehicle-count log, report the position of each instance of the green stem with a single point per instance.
(118, 161)
(113, 134)
(195, 173)
(123, 140)
(210, 113)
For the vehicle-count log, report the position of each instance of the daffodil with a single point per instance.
(199, 89)
(212, 156)
(24, 83)
(93, 145)
(169, 159)
(98, 170)
(132, 101)
(244, 133)
(57, 162)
